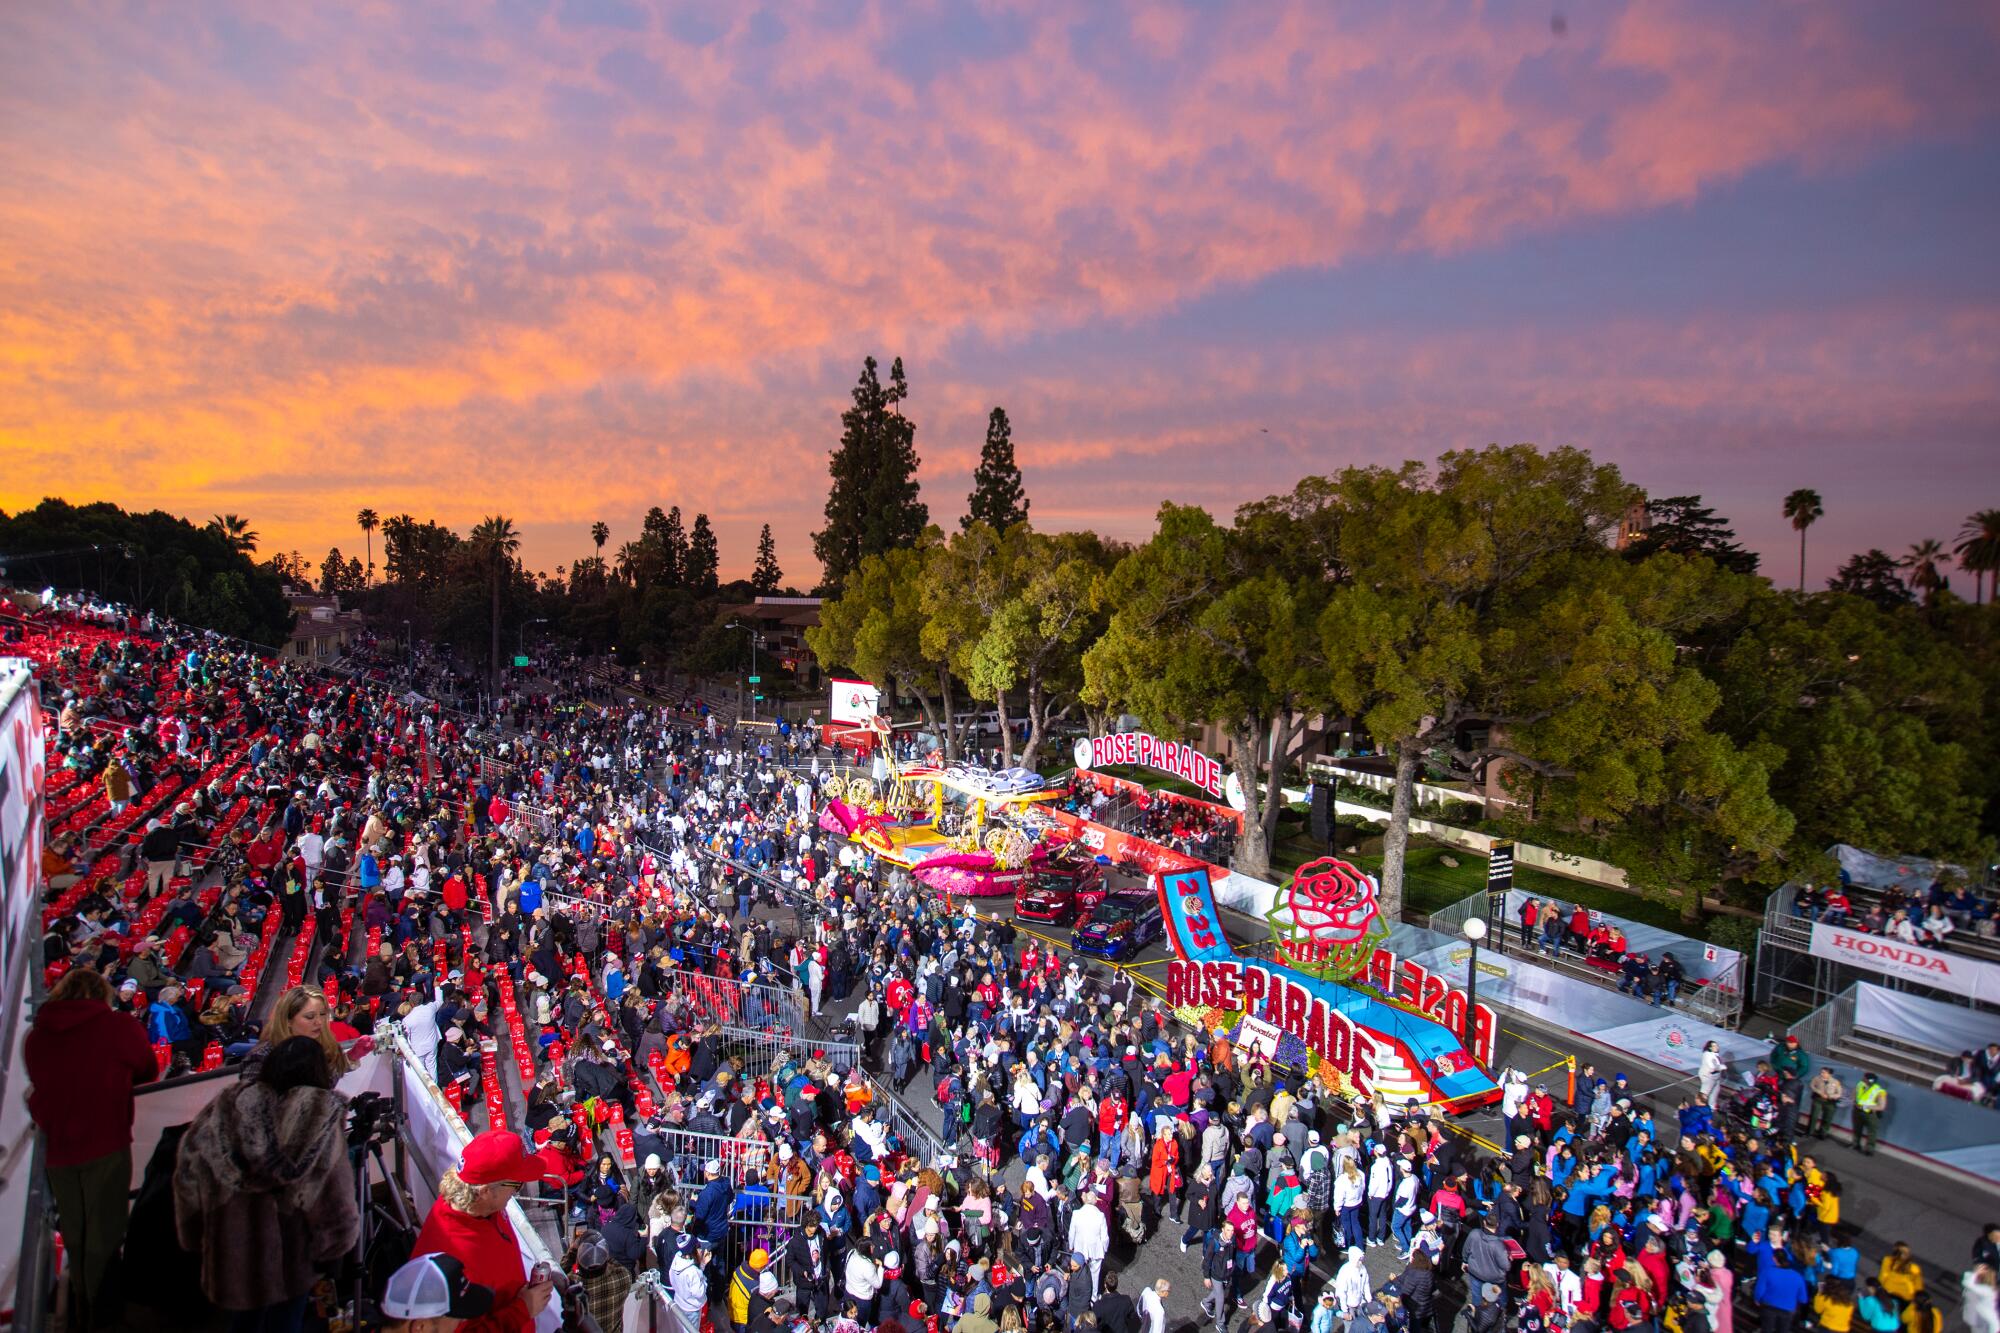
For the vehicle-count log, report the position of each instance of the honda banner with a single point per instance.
(1878, 953)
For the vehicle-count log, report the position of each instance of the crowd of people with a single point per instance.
(1193, 828)
(1928, 919)
(607, 881)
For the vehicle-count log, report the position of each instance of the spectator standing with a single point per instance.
(469, 1222)
(263, 1189)
(1871, 1099)
(1827, 1096)
(84, 1058)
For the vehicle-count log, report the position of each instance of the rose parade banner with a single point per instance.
(1401, 1039)
(1149, 751)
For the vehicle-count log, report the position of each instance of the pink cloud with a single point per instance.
(432, 265)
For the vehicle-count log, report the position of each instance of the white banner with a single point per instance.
(1945, 1028)
(853, 701)
(21, 785)
(1877, 953)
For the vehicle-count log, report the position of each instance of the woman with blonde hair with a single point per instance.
(302, 1012)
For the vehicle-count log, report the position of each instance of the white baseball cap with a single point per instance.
(433, 1286)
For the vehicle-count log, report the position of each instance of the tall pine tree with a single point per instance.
(872, 506)
(702, 558)
(765, 577)
(997, 497)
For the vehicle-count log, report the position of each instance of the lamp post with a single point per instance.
(521, 639)
(1475, 931)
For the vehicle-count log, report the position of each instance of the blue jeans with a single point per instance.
(1667, 991)
(1111, 1147)
(1402, 1229)
(1350, 1226)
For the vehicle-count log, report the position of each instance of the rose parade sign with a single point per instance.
(1395, 1029)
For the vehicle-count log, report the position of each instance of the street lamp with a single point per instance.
(521, 639)
(1475, 931)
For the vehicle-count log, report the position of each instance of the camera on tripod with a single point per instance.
(372, 1117)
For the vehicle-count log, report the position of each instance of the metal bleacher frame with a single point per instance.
(1787, 971)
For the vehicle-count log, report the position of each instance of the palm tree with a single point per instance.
(1978, 550)
(366, 518)
(495, 542)
(1920, 568)
(600, 532)
(235, 531)
(1803, 508)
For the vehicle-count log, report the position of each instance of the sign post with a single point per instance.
(1499, 879)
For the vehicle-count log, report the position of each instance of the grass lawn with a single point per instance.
(1429, 885)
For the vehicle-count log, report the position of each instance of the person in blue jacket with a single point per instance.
(1781, 1286)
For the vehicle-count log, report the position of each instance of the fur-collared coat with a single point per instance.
(263, 1190)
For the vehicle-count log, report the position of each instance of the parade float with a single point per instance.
(961, 830)
(1329, 996)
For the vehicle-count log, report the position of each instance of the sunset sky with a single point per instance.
(566, 259)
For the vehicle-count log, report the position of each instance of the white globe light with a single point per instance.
(1475, 928)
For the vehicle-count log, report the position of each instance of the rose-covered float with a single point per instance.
(961, 830)
(1382, 1025)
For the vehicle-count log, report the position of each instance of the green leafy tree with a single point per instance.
(766, 577)
(1978, 550)
(417, 555)
(1204, 628)
(367, 520)
(1867, 713)
(333, 572)
(875, 628)
(702, 559)
(292, 568)
(997, 498)
(494, 543)
(1872, 575)
(666, 542)
(1035, 638)
(1442, 630)
(872, 505)
(967, 579)
(1684, 525)
(1802, 510)
(154, 560)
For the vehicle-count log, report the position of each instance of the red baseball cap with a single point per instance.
(496, 1157)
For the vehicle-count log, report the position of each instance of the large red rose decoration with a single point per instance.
(1331, 901)
(1328, 916)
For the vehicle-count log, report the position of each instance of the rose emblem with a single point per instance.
(1331, 901)
(1329, 918)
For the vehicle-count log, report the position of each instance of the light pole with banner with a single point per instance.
(1475, 931)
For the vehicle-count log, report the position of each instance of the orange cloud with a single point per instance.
(570, 259)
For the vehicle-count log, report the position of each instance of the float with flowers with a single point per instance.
(1329, 997)
(961, 830)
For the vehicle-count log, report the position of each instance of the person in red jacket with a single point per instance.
(84, 1058)
(469, 1222)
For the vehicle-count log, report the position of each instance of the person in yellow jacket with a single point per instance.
(1871, 1099)
(742, 1284)
(1902, 1277)
(1833, 1307)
